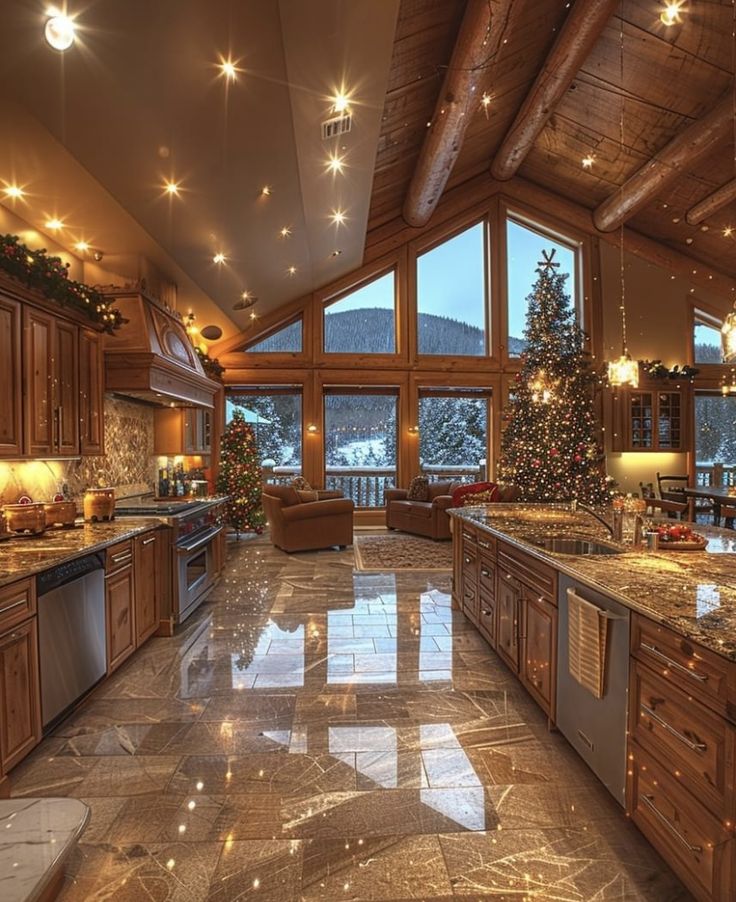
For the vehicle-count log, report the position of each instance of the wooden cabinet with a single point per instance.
(147, 586)
(182, 430)
(38, 372)
(538, 658)
(20, 699)
(652, 418)
(120, 604)
(11, 379)
(66, 387)
(508, 601)
(91, 393)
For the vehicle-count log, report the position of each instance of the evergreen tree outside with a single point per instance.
(549, 445)
(240, 477)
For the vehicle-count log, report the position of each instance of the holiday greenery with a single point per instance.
(655, 369)
(211, 365)
(50, 276)
(549, 445)
(240, 476)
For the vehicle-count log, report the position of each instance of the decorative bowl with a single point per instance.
(60, 513)
(25, 518)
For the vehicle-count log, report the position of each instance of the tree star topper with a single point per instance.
(549, 262)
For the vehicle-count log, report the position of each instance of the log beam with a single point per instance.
(459, 98)
(581, 30)
(683, 151)
(711, 204)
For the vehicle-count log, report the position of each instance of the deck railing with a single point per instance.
(715, 475)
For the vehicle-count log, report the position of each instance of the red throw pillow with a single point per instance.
(460, 493)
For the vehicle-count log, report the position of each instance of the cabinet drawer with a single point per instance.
(486, 544)
(470, 601)
(469, 538)
(687, 736)
(120, 555)
(529, 570)
(470, 565)
(487, 575)
(697, 670)
(17, 603)
(690, 839)
(487, 617)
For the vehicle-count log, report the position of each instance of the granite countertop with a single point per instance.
(693, 592)
(36, 837)
(25, 555)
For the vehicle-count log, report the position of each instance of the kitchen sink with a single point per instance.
(571, 545)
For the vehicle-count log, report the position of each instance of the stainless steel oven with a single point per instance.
(195, 569)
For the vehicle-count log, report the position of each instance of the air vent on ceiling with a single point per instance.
(338, 125)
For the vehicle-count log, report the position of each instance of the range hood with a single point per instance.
(150, 357)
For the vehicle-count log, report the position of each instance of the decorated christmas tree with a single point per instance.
(240, 476)
(549, 445)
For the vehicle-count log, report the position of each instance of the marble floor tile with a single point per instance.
(315, 733)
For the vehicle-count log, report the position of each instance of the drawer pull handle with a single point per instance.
(649, 802)
(468, 537)
(695, 746)
(468, 560)
(484, 544)
(700, 677)
(484, 572)
(148, 541)
(123, 556)
(486, 612)
(16, 604)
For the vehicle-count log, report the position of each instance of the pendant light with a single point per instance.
(728, 329)
(623, 370)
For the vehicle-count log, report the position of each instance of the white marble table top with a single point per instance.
(36, 836)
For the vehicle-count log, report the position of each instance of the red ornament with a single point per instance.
(553, 452)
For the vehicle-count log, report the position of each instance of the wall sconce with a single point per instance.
(312, 429)
(413, 430)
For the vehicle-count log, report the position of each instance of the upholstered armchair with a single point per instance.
(306, 525)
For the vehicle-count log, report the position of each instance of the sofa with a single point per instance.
(296, 524)
(424, 518)
(429, 518)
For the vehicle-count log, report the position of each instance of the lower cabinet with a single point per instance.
(147, 586)
(120, 604)
(507, 620)
(20, 697)
(538, 660)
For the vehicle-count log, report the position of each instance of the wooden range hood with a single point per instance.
(151, 358)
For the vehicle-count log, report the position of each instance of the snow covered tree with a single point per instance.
(453, 431)
(549, 445)
(240, 477)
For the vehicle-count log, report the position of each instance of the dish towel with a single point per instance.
(587, 631)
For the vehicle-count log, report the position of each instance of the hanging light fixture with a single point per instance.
(623, 370)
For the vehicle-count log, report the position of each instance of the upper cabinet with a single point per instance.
(51, 381)
(182, 430)
(652, 418)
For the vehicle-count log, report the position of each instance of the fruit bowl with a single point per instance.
(679, 537)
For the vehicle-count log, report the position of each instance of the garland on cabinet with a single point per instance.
(49, 275)
(211, 365)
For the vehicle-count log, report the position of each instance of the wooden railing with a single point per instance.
(715, 475)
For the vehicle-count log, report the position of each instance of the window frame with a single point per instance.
(470, 392)
(275, 388)
(701, 314)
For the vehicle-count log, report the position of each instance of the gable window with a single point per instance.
(363, 321)
(274, 413)
(452, 295)
(524, 246)
(287, 340)
(706, 338)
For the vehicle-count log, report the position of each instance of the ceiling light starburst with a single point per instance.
(59, 31)
(338, 217)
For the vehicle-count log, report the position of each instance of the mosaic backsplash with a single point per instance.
(129, 465)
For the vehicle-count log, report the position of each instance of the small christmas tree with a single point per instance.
(549, 446)
(240, 476)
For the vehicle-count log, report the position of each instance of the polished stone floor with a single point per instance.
(317, 733)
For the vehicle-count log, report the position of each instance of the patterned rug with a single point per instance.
(399, 551)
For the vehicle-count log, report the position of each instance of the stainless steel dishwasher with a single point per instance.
(596, 727)
(71, 633)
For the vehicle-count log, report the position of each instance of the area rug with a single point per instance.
(401, 552)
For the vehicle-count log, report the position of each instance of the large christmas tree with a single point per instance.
(549, 445)
(240, 476)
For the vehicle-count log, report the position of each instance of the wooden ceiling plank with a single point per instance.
(712, 203)
(683, 151)
(460, 93)
(581, 30)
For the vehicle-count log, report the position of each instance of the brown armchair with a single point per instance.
(424, 518)
(297, 525)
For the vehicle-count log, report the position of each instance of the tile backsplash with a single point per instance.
(128, 465)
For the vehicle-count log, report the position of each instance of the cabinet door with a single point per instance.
(11, 380)
(91, 393)
(20, 699)
(507, 622)
(38, 368)
(190, 438)
(205, 418)
(66, 387)
(120, 599)
(146, 586)
(539, 650)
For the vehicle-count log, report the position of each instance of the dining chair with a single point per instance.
(675, 510)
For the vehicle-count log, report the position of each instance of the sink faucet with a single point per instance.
(615, 528)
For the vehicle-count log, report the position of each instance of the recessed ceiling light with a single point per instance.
(588, 161)
(82, 246)
(54, 224)
(291, 270)
(336, 253)
(171, 187)
(266, 191)
(59, 31)
(485, 100)
(728, 231)
(219, 258)
(285, 232)
(341, 102)
(670, 15)
(14, 192)
(338, 217)
(335, 163)
(228, 69)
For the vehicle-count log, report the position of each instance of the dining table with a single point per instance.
(719, 496)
